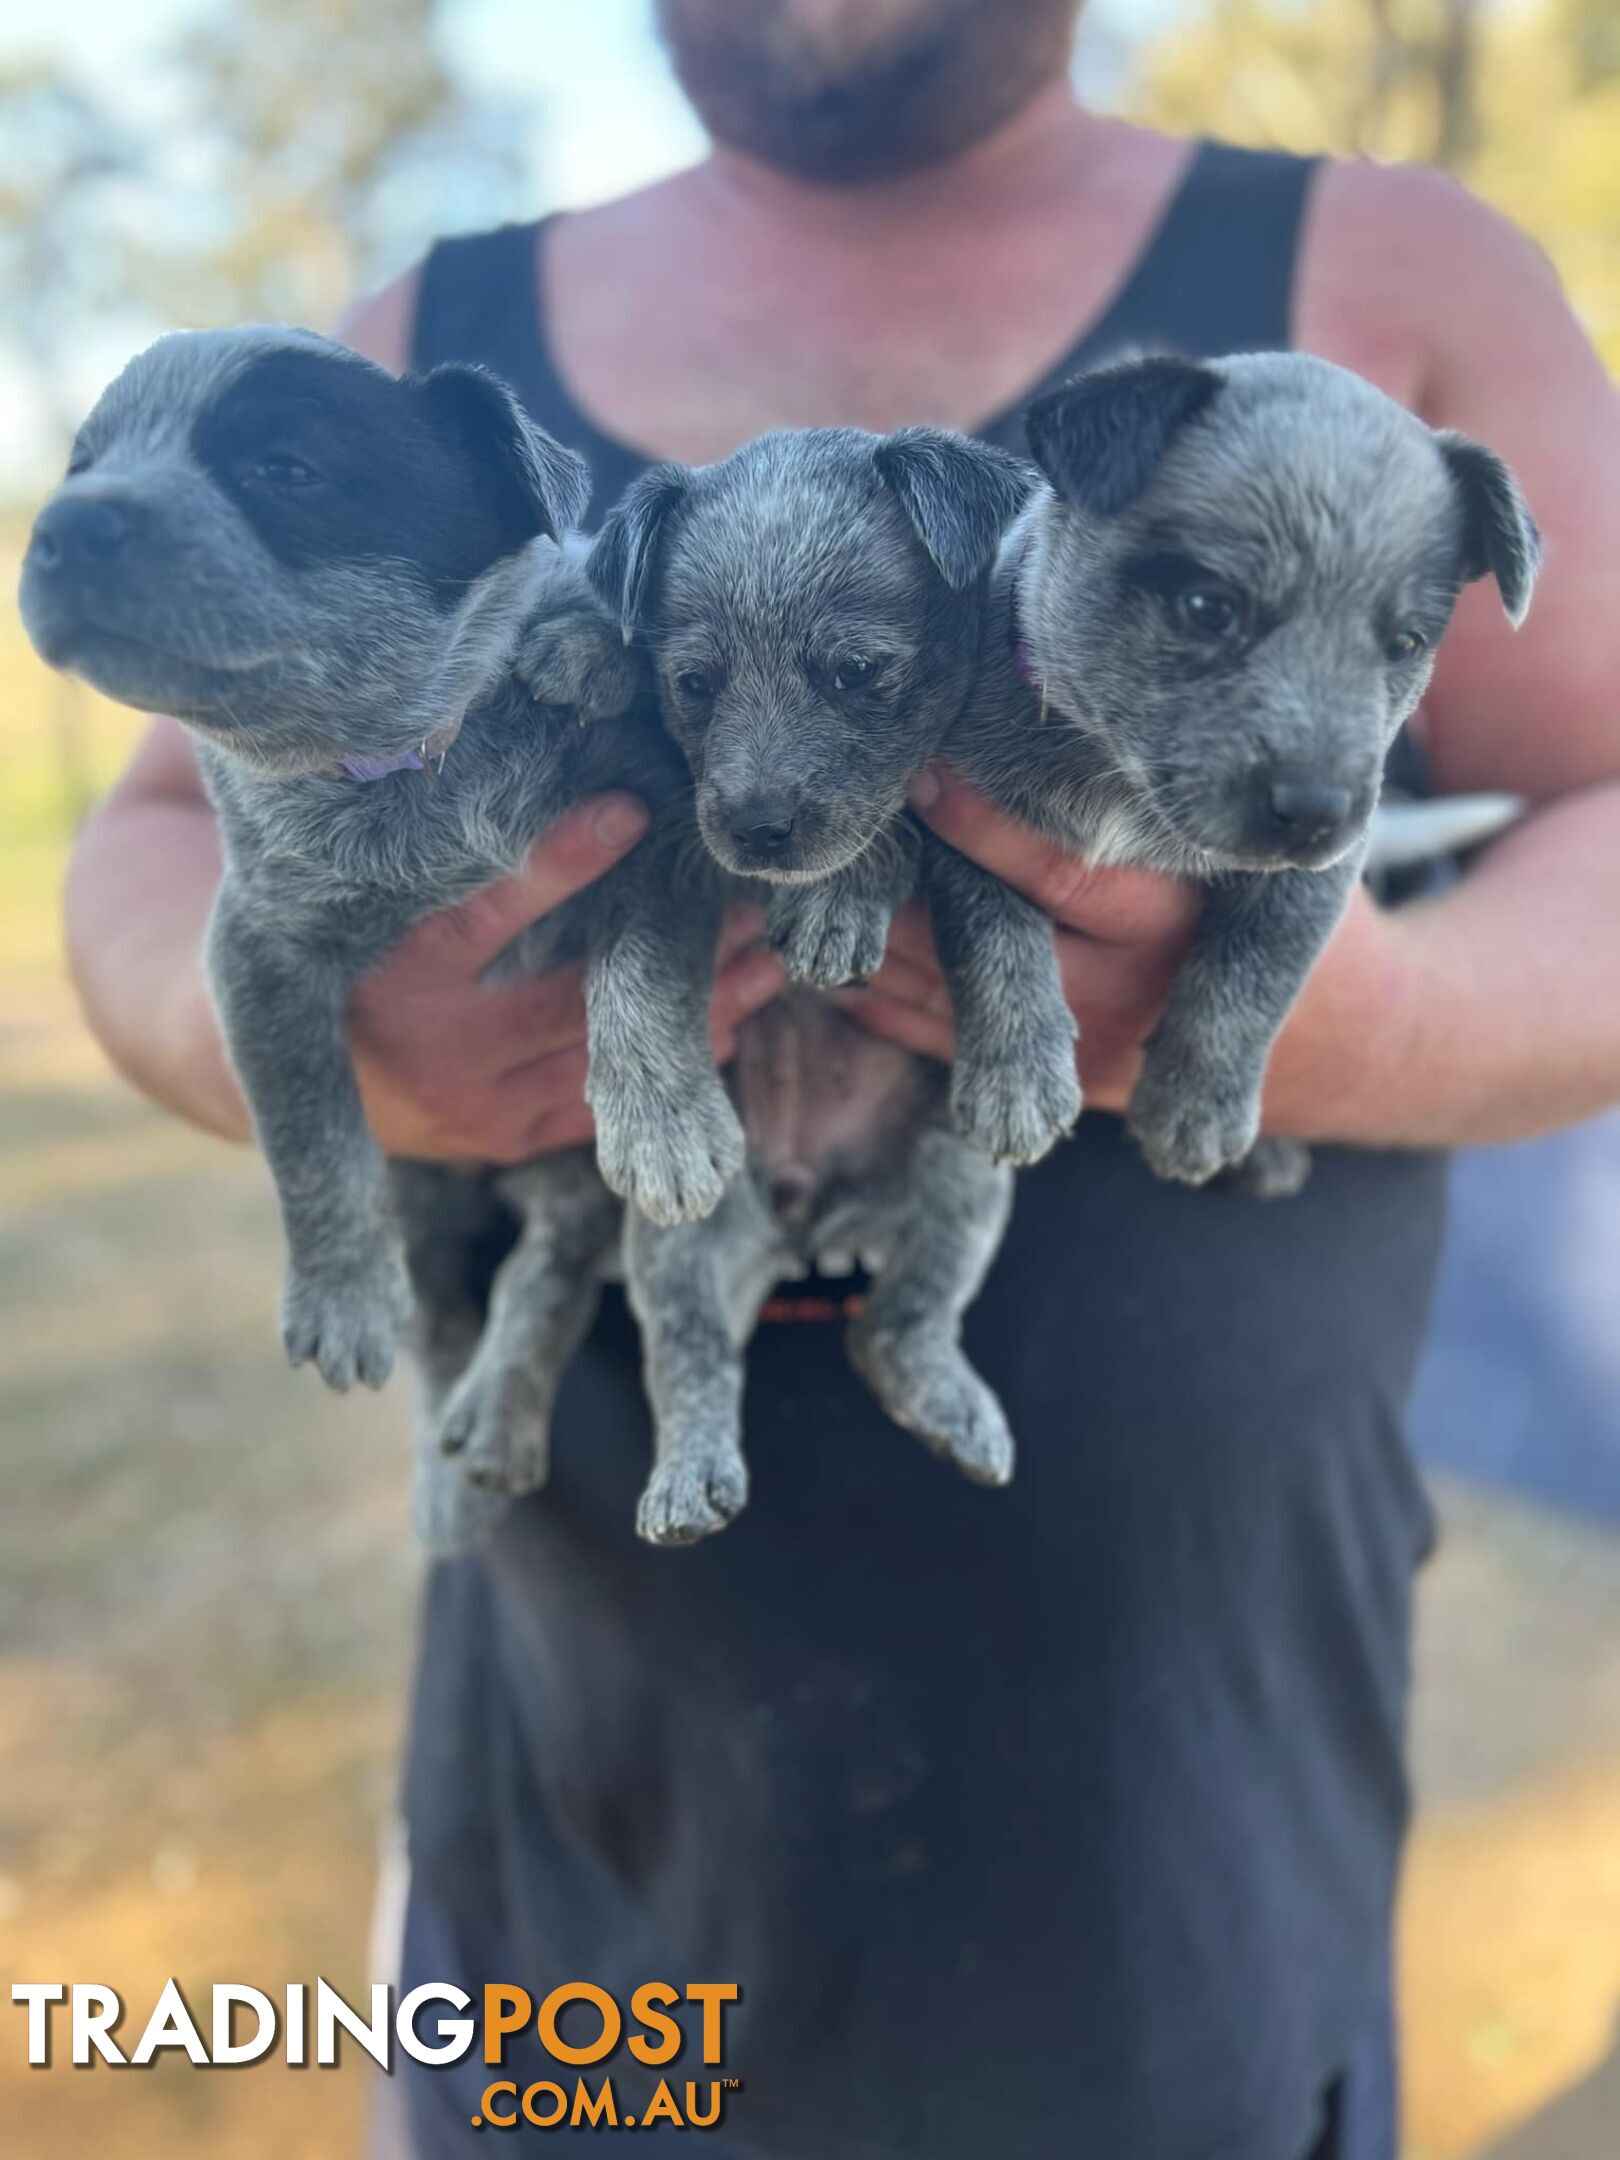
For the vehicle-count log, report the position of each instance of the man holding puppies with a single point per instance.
(1065, 1821)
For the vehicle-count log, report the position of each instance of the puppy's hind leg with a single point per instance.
(906, 1342)
(696, 1289)
(1273, 1169)
(454, 1224)
(497, 1419)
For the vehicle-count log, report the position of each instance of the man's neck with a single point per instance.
(940, 296)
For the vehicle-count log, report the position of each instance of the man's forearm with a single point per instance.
(139, 891)
(1489, 1013)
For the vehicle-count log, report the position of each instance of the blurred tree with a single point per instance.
(63, 165)
(62, 160)
(336, 142)
(1523, 102)
(1392, 77)
(1593, 29)
(299, 150)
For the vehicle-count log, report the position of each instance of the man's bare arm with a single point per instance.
(140, 886)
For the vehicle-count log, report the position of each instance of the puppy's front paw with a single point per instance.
(691, 1494)
(826, 938)
(575, 660)
(1015, 1104)
(347, 1321)
(1190, 1127)
(496, 1424)
(672, 1156)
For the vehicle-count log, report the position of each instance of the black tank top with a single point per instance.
(1058, 1820)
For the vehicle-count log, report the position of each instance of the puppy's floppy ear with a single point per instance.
(960, 495)
(1100, 438)
(1500, 537)
(540, 488)
(622, 556)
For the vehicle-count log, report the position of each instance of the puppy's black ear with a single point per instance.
(1500, 537)
(960, 496)
(1100, 438)
(623, 554)
(539, 487)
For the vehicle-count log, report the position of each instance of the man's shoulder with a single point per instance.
(379, 325)
(1401, 262)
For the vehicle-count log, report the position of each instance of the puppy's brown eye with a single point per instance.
(694, 683)
(1407, 644)
(284, 471)
(852, 673)
(1210, 611)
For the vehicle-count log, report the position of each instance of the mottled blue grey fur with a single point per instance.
(526, 700)
(811, 605)
(1204, 635)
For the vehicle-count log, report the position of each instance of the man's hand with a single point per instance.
(1121, 935)
(454, 1069)
(1120, 938)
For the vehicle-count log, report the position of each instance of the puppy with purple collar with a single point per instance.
(355, 592)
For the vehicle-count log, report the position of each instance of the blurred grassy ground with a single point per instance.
(205, 1611)
(205, 1573)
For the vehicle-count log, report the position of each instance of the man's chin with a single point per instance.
(916, 86)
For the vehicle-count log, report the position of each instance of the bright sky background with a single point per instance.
(607, 113)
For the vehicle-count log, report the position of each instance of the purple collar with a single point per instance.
(431, 751)
(379, 768)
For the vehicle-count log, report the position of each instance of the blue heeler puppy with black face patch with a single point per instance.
(357, 593)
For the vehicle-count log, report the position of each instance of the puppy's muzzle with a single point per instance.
(762, 828)
(1309, 813)
(82, 532)
(76, 567)
(1303, 814)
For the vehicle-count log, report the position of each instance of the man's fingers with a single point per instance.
(911, 937)
(573, 854)
(543, 1096)
(1124, 905)
(569, 1126)
(744, 924)
(540, 1015)
(925, 1033)
(913, 983)
(1113, 985)
(742, 986)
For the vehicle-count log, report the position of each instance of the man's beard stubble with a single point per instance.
(845, 91)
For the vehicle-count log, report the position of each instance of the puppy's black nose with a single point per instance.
(88, 529)
(1308, 812)
(763, 825)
